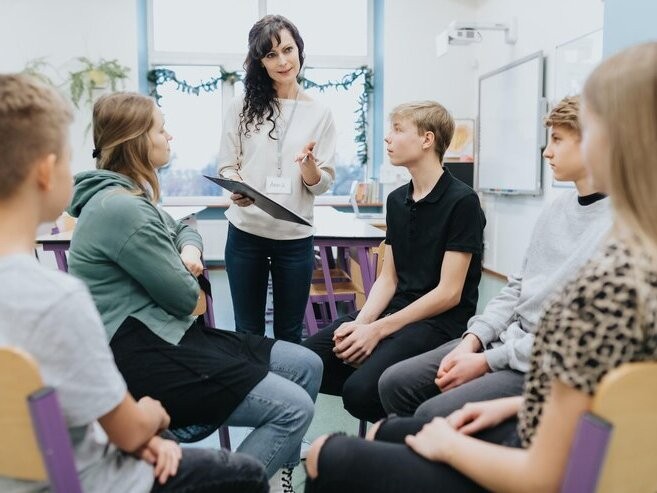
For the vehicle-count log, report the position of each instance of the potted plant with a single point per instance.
(95, 76)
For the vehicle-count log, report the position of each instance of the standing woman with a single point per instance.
(280, 141)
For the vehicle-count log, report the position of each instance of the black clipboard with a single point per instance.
(274, 209)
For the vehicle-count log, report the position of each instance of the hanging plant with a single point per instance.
(36, 67)
(94, 76)
(160, 76)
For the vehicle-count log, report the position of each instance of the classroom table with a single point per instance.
(346, 233)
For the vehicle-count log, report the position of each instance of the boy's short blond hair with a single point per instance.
(34, 121)
(565, 114)
(428, 116)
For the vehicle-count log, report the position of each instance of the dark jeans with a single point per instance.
(209, 471)
(359, 387)
(348, 464)
(249, 260)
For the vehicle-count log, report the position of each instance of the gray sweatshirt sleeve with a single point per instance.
(514, 354)
(498, 313)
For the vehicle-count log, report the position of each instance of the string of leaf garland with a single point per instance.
(159, 76)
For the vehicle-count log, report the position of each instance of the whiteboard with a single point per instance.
(575, 60)
(511, 130)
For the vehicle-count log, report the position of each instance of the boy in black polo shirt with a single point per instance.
(427, 289)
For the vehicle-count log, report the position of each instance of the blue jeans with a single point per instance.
(280, 407)
(249, 259)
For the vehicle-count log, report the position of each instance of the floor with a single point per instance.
(329, 413)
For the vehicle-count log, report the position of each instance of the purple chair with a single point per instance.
(587, 455)
(36, 445)
(615, 446)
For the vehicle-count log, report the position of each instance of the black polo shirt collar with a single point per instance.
(438, 190)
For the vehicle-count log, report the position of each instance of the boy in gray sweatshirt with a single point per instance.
(489, 361)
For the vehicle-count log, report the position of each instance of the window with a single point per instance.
(193, 39)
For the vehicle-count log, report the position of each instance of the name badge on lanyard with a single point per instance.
(281, 184)
(278, 184)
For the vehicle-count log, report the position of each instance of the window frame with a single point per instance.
(234, 61)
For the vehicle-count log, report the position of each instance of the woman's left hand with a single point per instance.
(191, 257)
(434, 440)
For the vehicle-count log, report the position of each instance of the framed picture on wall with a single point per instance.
(461, 149)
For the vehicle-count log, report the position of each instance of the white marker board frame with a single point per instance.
(510, 128)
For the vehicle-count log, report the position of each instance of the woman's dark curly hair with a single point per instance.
(260, 97)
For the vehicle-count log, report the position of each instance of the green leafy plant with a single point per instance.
(95, 76)
(36, 67)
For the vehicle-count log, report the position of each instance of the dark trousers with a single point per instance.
(387, 465)
(359, 387)
(208, 471)
(408, 387)
(249, 260)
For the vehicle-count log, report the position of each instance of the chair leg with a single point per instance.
(224, 437)
(311, 321)
(362, 428)
(324, 314)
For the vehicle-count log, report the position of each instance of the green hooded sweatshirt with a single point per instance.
(127, 252)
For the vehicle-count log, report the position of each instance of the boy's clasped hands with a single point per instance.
(355, 341)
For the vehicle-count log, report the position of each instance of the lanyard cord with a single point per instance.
(281, 139)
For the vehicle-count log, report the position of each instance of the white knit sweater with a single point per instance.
(312, 121)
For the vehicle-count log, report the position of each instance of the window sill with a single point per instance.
(224, 202)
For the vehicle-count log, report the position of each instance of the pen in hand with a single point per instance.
(310, 171)
(306, 155)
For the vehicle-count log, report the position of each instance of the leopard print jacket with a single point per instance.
(604, 317)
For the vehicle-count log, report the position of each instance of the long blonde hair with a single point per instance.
(622, 92)
(121, 122)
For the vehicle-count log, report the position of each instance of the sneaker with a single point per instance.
(305, 447)
(281, 482)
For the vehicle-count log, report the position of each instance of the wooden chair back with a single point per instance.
(627, 398)
(19, 450)
(615, 446)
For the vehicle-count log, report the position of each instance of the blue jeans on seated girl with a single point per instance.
(280, 407)
(249, 260)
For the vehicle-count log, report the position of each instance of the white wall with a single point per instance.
(61, 31)
(412, 71)
(542, 25)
